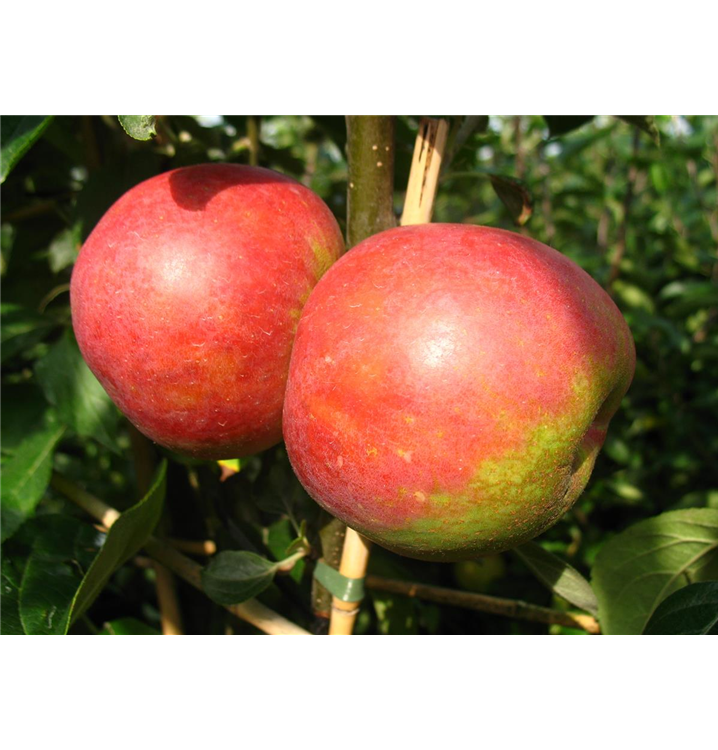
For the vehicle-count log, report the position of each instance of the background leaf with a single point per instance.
(19, 133)
(691, 611)
(26, 474)
(647, 123)
(21, 328)
(70, 386)
(234, 576)
(637, 569)
(559, 576)
(125, 538)
(139, 127)
(64, 248)
(562, 124)
(128, 626)
(515, 196)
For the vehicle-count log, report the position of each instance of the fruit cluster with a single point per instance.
(443, 389)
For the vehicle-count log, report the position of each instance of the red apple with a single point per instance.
(450, 387)
(185, 300)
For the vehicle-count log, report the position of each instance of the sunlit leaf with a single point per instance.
(139, 127)
(637, 569)
(559, 576)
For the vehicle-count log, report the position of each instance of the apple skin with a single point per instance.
(185, 300)
(450, 387)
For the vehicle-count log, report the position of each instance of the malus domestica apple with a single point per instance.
(450, 387)
(186, 297)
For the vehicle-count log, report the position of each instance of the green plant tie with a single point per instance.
(346, 589)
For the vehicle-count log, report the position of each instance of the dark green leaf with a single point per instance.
(62, 549)
(691, 611)
(13, 567)
(647, 123)
(21, 328)
(126, 537)
(80, 400)
(637, 569)
(19, 133)
(23, 411)
(514, 195)
(234, 576)
(562, 124)
(26, 474)
(139, 127)
(559, 576)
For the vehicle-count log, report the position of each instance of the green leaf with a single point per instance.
(234, 576)
(559, 576)
(21, 328)
(26, 474)
(127, 535)
(562, 124)
(62, 548)
(637, 569)
(139, 127)
(19, 133)
(7, 241)
(282, 541)
(13, 567)
(514, 195)
(691, 611)
(64, 248)
(128, 626)
(646, 123)
(70, 386)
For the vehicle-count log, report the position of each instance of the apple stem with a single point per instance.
(251, 611)
(482, 603)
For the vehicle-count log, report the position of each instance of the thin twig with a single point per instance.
(250, 611)
(482, 603)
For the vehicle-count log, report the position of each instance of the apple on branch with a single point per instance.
(185, 300)
(450, 387)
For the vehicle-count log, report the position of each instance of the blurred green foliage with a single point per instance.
(636, 205)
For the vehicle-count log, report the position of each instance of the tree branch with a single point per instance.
(370, 195)
(482, 603)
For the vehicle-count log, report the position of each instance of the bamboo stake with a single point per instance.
(424, 175)
(355, 558)
(418, 207)
(172, 660)
(250, 611)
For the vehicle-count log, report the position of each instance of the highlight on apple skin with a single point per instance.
(450, 387)
(185, 300)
